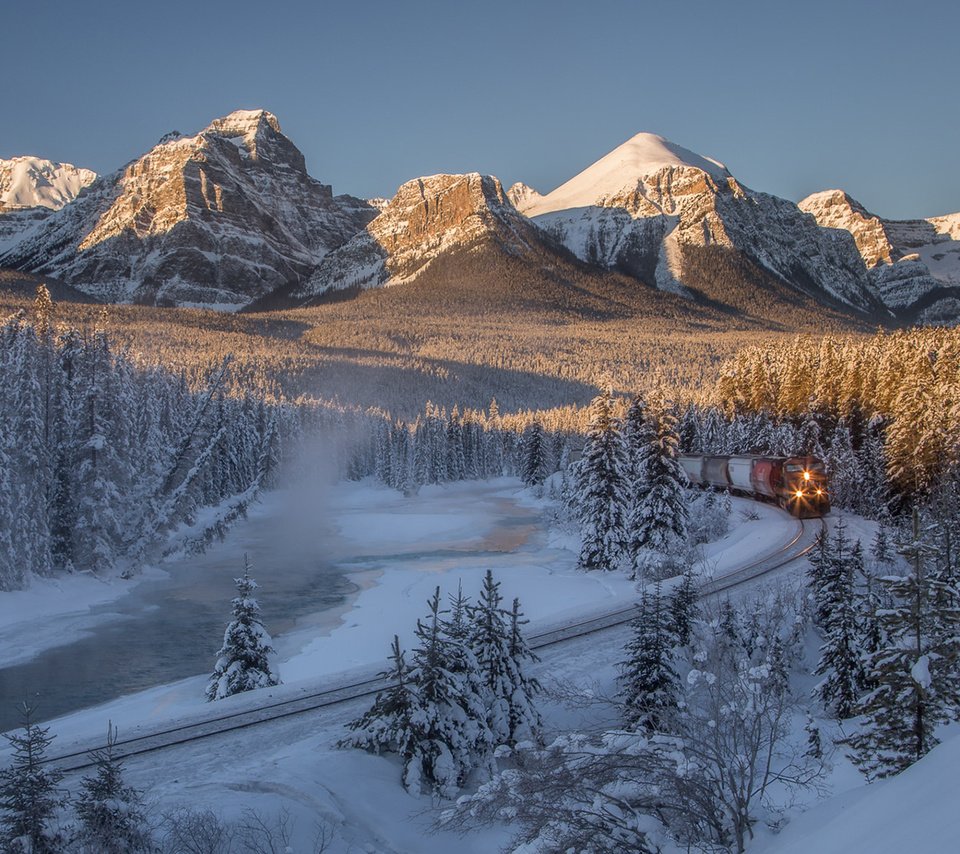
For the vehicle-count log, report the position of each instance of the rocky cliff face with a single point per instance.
(216, 219)
(427, 218)
(914, 265)
(649, 206)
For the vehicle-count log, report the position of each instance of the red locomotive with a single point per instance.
(797, 484)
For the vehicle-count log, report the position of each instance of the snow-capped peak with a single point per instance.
(244, 123)
(621, 170)
(28, 182)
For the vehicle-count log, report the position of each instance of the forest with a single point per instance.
(110, 456)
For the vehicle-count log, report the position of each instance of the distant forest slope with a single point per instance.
(470, 329)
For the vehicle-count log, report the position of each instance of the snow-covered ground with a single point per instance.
(912, 812)
(398, 550)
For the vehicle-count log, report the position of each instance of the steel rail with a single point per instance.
(161, 739)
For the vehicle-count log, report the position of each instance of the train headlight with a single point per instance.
(819, 492)
(799, 493)
(806, 475)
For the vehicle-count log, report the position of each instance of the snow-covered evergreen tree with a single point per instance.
(112, 814)
(683, 608)
(453, 733)
(843, 469)
(880, 550)
(649, 683)
(243, 662)
(840, 661)
(524, 714)
(659, 516)
(456, 461)
(29, 797)
(503, 656)
(393, 723)
(601, 493)
(916, 671)
(534, 462)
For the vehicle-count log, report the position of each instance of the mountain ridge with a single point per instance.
(216, 219)
(230, 218)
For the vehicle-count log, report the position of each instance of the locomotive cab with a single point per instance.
(803, 489)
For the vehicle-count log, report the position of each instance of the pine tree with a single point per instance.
(456, 462)
(533, 449)
(916, 671)
(659, 515)
(843, 469)
(683, 608)
(880, 547)
(524, 715)
(650, 685)
(462, 664)
(243, 661)
(454, 735)
(112, 815)
(393, 723)
(814, 742)
(602, 489)
(29, 798)
(502, 656)
(840, 656)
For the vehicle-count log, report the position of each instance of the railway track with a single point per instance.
(801, 542)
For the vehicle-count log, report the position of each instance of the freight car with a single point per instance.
(797, 484)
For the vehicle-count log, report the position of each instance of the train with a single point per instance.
(797, 484)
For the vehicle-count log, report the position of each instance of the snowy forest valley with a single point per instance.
(426, 574)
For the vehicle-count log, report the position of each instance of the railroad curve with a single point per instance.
(802, 541)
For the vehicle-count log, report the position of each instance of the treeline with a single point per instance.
(440, 446)
(99, 457)
(902, 388)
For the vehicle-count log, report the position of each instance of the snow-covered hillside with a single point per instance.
(649, 206)
(912, 812)
(27, 182)
(624, 168)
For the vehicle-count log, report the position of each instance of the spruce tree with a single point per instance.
(243, 662)
(524, 715)
(29, 798)
(840, 661)
(454, 734)
(112, 815)
(602, 489)
(650, 685)
(880, 549)
(683, 608)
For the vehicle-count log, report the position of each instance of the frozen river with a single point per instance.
(303, 554)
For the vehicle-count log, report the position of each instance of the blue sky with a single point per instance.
(792, 97)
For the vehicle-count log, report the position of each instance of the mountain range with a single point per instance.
(229, 218)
